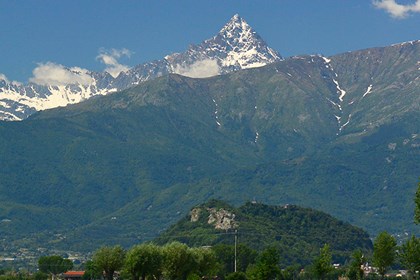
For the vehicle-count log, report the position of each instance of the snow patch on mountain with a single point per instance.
(339, 90)
(335, 104)
(346, 123)
(216, 113)
(369, 90)
(18, 102)
(342, 93)
(413, 42)
(326, 60)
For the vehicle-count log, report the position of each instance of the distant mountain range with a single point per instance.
(236, 46)
(339, 134)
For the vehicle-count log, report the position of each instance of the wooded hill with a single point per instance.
(297, 232)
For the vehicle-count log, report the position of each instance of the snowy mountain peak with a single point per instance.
(236, 46)
(237, 28)
(241, 46)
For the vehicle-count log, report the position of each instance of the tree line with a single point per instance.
(177, 261)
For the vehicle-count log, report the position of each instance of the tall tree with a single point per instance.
(91, 271)
(54, 265)
(109, 260)
(144, 260)
(178, 261)
(355, 269)
(384, 252)
(267, 266)
(205, 262)
(409, 255)
(323, 263)
(417, 209)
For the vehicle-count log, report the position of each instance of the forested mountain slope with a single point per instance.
(338, 134)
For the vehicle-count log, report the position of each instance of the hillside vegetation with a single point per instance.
(297, 232)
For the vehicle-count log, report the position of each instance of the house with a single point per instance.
(72, 275)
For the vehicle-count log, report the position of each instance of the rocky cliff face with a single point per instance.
(219, 218)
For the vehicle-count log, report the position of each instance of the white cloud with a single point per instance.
(110, 59)
(397, 10)
(56, 74)
(3, 77)
(200, 69)
(16, 83)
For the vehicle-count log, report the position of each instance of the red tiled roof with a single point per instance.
(73, 273)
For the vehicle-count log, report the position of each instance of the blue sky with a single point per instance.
(89, 34)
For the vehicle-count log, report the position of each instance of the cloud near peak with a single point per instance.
(110, 59)
(52, 74)
(397, 10)
(3, 77)
(200, 69)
